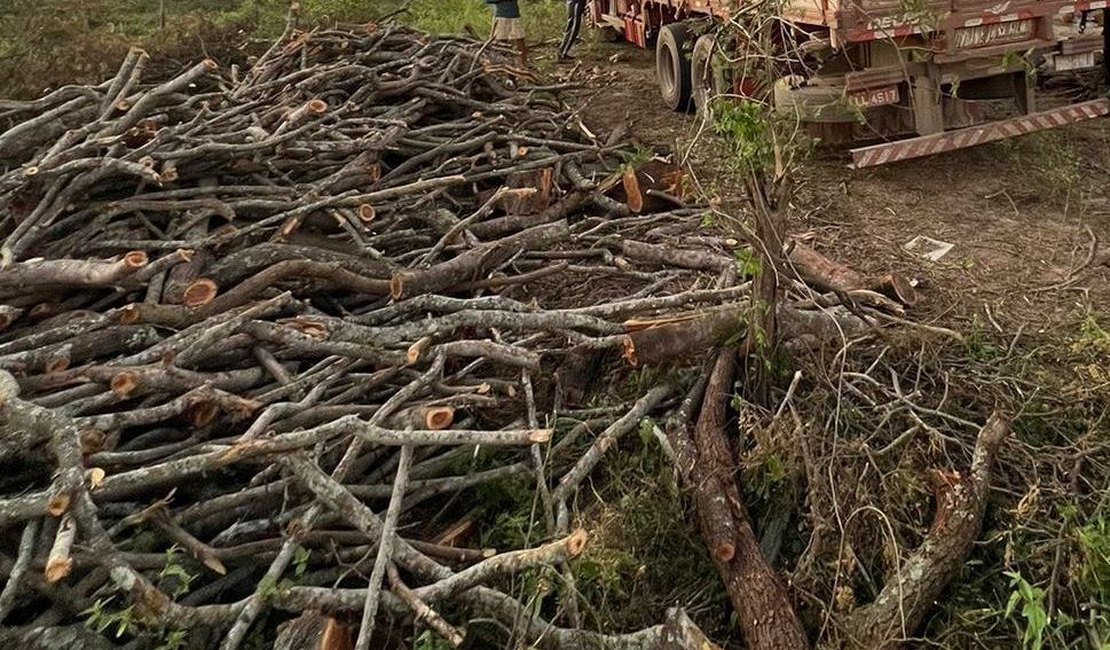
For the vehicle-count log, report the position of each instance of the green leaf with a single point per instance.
(1037, 621)
(647, 431)
(747, 264)
(300, 561)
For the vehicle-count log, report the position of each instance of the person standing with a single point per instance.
(576, 10)
(507, 26)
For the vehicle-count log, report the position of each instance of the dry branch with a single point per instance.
(22, 563)
(907, 598)
(827, 275)
(424, 613)
(385, 548)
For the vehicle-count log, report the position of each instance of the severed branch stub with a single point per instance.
(911, 592)
(59, 563)
(676, 337)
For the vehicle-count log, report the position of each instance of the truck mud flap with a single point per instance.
(927, 145)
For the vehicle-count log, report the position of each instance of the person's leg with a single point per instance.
(579, 14)
(575, 10)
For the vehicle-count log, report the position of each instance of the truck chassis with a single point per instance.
(920, 83)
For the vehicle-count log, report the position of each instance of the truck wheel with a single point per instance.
(706, 79)
(672, 64)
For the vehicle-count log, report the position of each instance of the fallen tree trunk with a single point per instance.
(681, 336)
(667, 339)
(764, 612)
(825, 274)
(906, 599)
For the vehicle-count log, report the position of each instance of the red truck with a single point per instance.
(921, 75)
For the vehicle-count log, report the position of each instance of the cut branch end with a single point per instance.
(200, 292)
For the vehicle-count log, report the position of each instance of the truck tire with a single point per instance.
(672, 65)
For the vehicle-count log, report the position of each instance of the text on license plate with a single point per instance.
(874, 97)
(1065, 62)
(1008, 32)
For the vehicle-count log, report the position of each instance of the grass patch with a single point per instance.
(87, 42)
(644, 554)
(1049, 160)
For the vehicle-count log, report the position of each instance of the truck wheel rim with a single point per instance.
(701, 84)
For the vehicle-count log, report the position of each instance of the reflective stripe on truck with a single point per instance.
(888, 152)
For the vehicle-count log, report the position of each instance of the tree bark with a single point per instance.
(681, 633)
(313, 631)
(764, 612)
(827, 275)
(905, 600)
(52, 638)
(663, 340)
(763, 335)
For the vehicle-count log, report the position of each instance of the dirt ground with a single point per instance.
(1021, 213)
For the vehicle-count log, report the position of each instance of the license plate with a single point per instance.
(874, 97)
(1065, 62)
(1008, 32)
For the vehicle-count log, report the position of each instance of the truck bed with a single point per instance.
(964, 24)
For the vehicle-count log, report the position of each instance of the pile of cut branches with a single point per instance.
(255, 326)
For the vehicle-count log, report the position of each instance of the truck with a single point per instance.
(921, 77)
